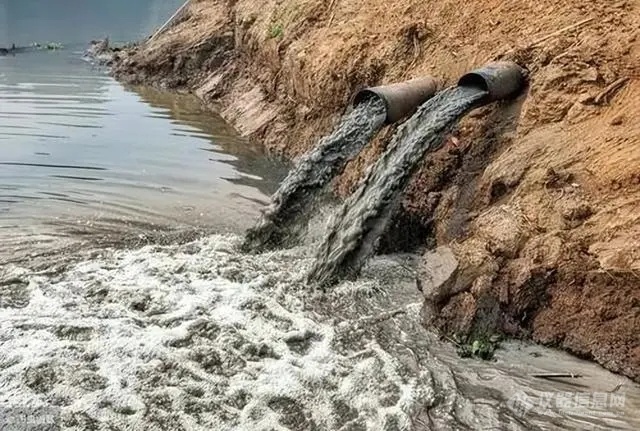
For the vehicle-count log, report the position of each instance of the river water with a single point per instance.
(78, 21)
(126, 303)
(81, 156)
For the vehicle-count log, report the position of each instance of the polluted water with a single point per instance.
(194, 336)
(200, 336)
(293, 203)
(203, 336)
(355, 227)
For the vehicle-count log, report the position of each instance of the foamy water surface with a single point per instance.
(201, 336)
(190, 337)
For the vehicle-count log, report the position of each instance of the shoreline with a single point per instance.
(533, 198)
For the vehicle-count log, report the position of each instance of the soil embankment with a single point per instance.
(537, 199)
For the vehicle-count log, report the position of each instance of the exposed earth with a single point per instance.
(534, 202)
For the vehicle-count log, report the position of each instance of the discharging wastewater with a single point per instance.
(358, 224)
(293, 203)
(186, 334)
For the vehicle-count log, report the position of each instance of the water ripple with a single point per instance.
(46, 165)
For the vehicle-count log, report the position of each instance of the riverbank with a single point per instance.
(536, 199)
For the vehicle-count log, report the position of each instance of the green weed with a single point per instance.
(276, 31)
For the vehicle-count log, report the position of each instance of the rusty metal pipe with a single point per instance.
(400, 99)
(501, 79)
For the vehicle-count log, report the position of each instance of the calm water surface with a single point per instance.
(81, 155)
(78, 21)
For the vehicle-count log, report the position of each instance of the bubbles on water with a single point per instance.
(14, 288)
(201, 336)
(192, 336)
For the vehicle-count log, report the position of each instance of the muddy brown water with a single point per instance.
(197, 334)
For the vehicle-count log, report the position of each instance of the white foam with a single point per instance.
(195, 337)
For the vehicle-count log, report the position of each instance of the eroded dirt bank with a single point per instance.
(538, 199)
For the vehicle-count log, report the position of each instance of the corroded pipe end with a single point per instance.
(502, 79)
(400, 99)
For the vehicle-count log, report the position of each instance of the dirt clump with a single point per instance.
(537, 198)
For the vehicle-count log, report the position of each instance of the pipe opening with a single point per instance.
(476, 80)
(500, 79)
(366, 95)
(400, 99)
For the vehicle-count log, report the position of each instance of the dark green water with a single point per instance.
(355, 229)
(293, 204)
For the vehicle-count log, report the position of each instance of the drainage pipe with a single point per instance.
(501, 79)
(401, 99)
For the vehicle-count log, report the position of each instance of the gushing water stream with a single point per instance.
(356, 227)
(292, 203)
